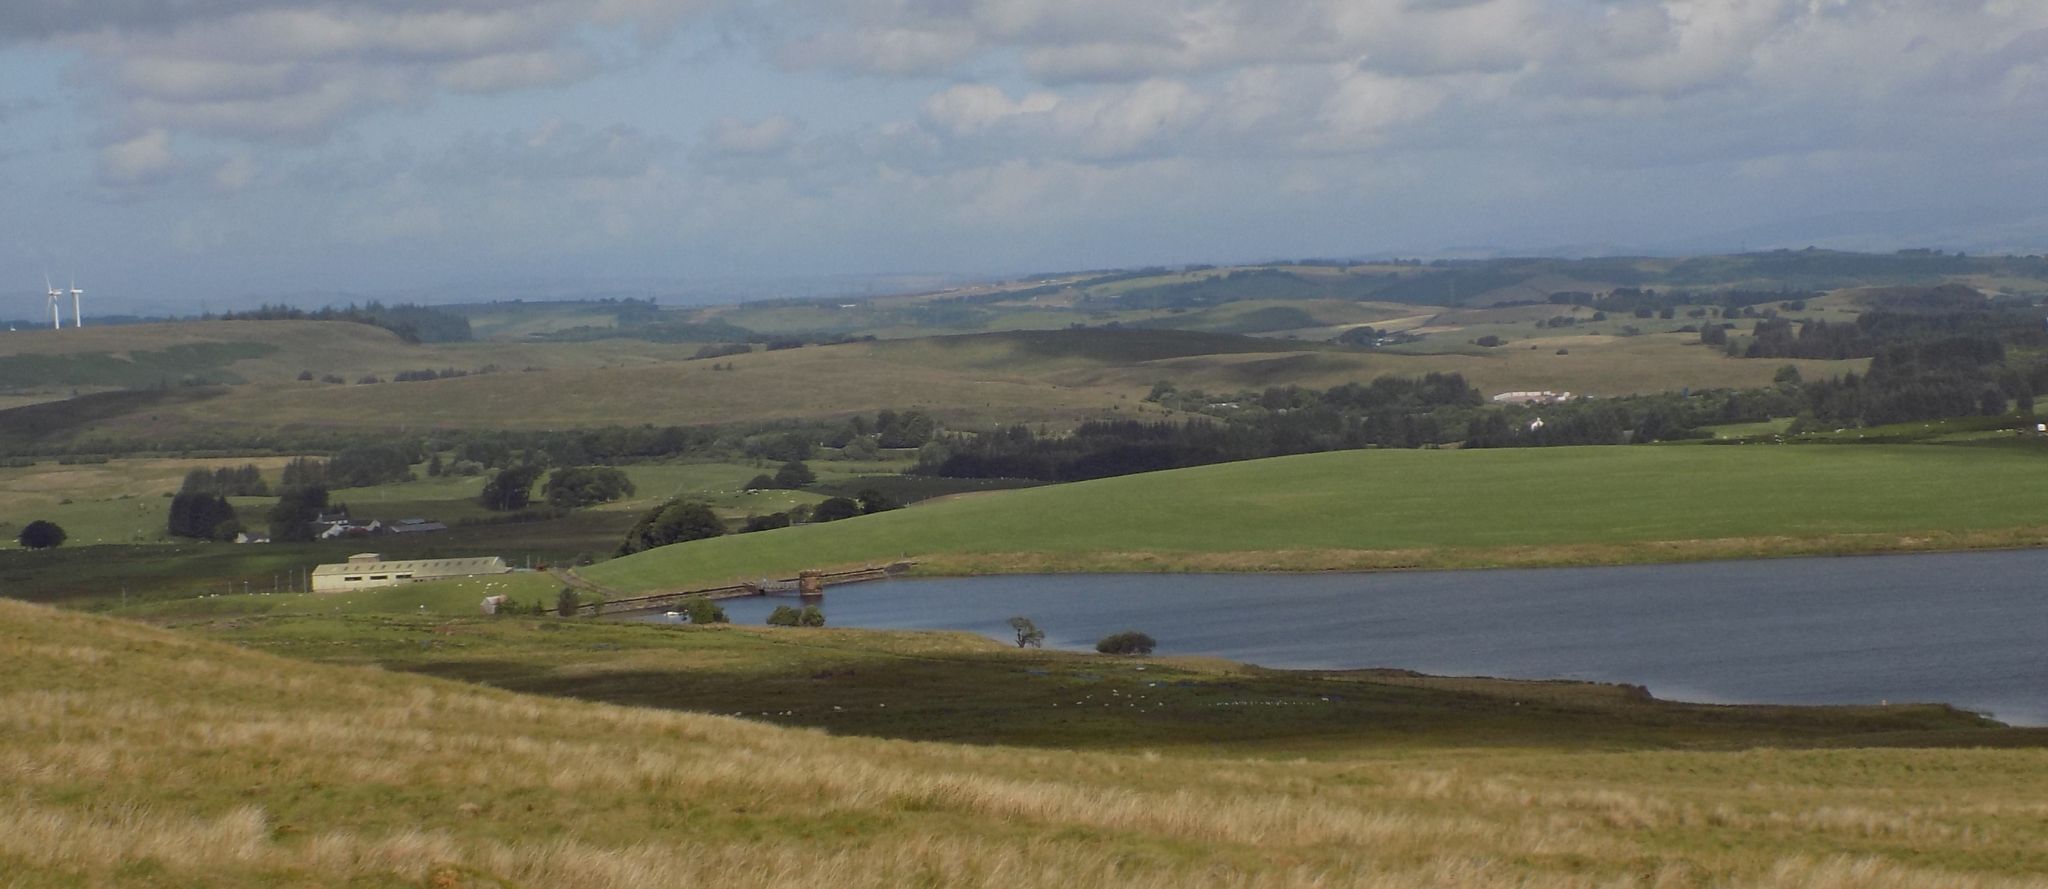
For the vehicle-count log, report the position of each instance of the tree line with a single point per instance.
(412, 323)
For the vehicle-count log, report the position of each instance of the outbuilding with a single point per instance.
(365, 570)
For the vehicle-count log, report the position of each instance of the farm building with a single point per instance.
(364, 570)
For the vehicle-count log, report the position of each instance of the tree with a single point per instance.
(794, 474)
(760, 482)
(704, 611)
(676, 521)
(1126, 642)
(873, 501)
(784, 616)
(767, 522)
(586, 485)
(292, 518)
(304, 472)
(361, 467)
(835, 509)
(202, 516)
(510, 489)
(811, 616)
(41, 534)
(567, 601)
(1028, 633)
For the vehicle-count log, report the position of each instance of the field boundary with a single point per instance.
(1460, 559)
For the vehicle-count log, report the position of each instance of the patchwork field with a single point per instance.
(1392, 509)
(208, 764)
(1051, 377)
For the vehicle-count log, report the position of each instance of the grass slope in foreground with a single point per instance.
(138, 757)
(1382, 509)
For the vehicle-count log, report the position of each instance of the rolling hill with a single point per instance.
(1058, 377)
(1389, 509)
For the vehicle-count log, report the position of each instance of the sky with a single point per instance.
(169, 154)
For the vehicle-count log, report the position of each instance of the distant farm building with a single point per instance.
(365, 570)
(1544, 397)
(414, 526)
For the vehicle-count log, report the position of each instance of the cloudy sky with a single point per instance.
(168, 150)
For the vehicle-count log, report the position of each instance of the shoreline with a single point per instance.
(1373, 561)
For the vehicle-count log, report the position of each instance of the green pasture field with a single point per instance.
(139, 756)
(1444, 508)
(107, 576)
(119, 501)
(439, 598)
(1751, 430)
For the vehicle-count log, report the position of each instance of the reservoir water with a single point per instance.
(1969, 629)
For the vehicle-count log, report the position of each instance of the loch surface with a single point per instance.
(1969, 629)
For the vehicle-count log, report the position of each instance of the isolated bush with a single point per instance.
(811, 616)
(784, 616)
(41, 534)
(1126, 642)
(704, 611)
(566, 602)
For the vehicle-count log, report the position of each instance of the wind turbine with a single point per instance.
(56, 308)
(77, 320)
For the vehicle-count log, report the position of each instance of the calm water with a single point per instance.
(1969, 629)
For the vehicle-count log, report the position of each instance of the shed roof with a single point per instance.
(418, 567)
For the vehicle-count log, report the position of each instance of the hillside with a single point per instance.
(208, 764)
(1381, 509)
(1056, 377)
(142, 355)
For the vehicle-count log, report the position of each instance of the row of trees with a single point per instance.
(413, 323)
(241, 481)
(682, 520)
(1388, 412)
(358, 466)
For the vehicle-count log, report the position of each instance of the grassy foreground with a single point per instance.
(965, 688)
(1396, 509)
(135, 756)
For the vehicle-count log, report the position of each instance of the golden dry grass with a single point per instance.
(133, 756)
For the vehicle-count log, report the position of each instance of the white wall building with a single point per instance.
(365, 570)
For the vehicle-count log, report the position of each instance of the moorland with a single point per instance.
(180, 711)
